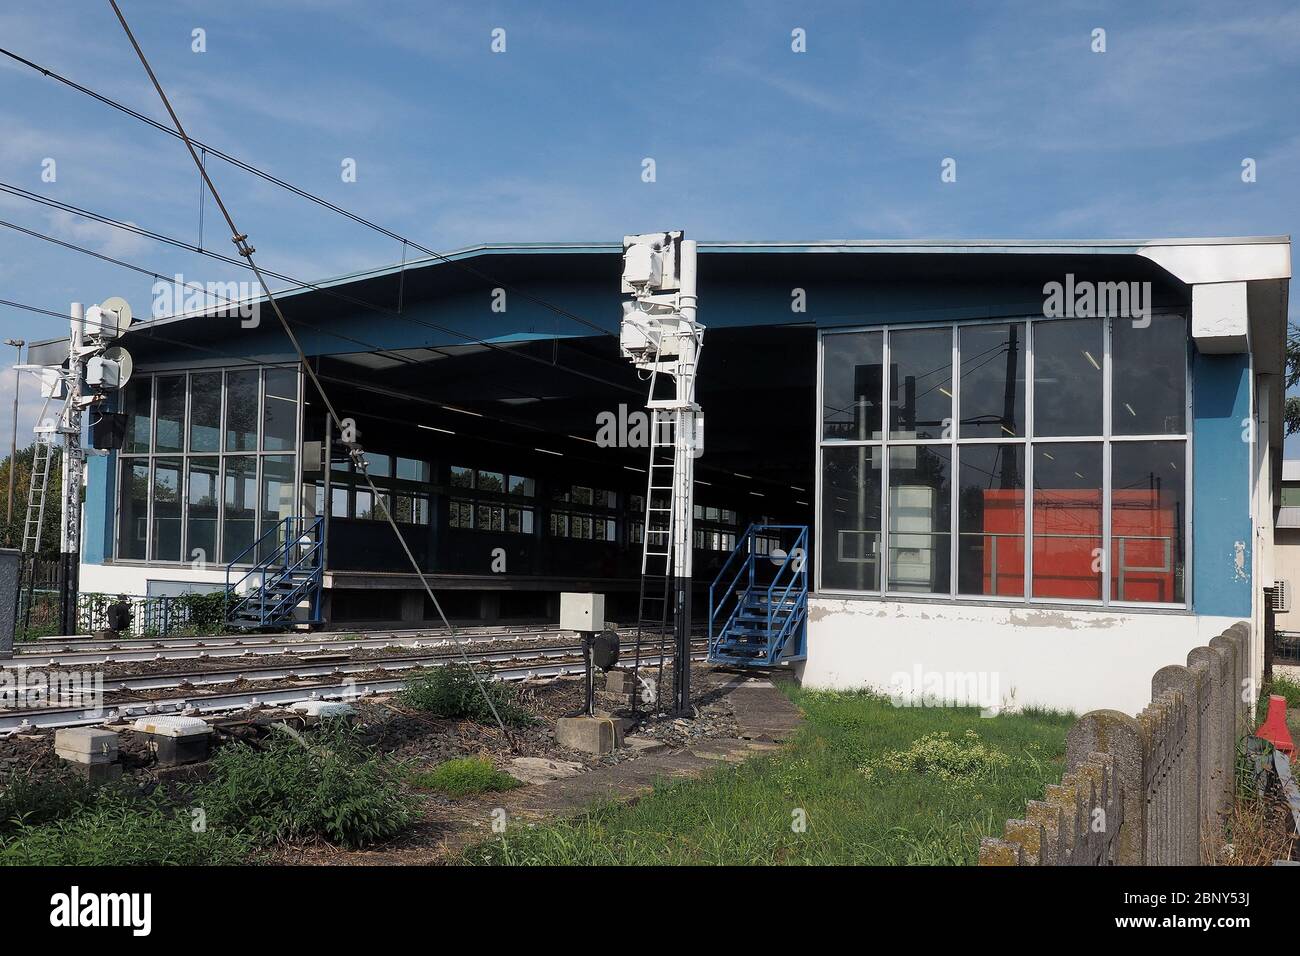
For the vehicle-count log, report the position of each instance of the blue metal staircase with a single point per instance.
(758, 604)
(283, 587)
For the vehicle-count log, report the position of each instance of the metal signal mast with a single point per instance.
(92, 371)
(660, 334)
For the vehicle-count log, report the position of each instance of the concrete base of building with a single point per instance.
(997, 658)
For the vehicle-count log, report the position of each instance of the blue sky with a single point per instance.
(455, 144)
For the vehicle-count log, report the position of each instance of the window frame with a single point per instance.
(1107, 439)
(124, 460)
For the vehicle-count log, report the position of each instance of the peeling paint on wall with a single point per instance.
(1239, 560)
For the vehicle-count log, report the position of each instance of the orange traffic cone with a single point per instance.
(1274, 728)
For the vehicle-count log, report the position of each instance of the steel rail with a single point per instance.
(283, 637)
(60, 658)
(47, 645)
(47, 718)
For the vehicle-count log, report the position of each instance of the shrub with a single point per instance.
(327, 788)
(28, 800)
(463, 776)
(451, 691)
(119, 830)
(203, 613)
(939, 755)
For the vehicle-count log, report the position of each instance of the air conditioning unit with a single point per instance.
(1281, 597)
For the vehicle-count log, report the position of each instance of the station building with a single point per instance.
(1055, 463)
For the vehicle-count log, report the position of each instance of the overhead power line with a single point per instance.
(110, 221)
(298, 191)
(359, 462)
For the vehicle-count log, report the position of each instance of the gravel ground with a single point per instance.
(425, 741)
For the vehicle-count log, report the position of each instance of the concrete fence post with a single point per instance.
(1147, 790)
(1121, 738)
(10, 564)
(1229, 643)
(1221, 744)
(1191, 684)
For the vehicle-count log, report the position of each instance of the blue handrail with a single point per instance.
(784, 595)
(298, 549)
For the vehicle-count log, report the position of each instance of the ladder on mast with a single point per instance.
(38, 483)
(656, 605)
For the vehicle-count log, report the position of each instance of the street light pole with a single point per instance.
(13, 438)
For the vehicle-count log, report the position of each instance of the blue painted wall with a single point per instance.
(1221, 485)
(97, 524)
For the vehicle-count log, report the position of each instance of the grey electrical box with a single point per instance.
(9, 564)
(582, 612)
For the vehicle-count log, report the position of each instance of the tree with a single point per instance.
(11, 531)
(1292, 378)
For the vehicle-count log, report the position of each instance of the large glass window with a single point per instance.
(920, 526)
(993, 381)
(133, 512)
(920, 383)
(850, 538)
(205, 411)
(1148, 511)
(277, 499)
(170, 417)
(139, 416)
(204, 509)
(991, 520)
(241, 410)
(1059, 496)
(1067, 377)
(280, 414)
(166, 509)
(1149, 376)
(1067, 509)
(853, 382)
(239, 519)
(190, 464)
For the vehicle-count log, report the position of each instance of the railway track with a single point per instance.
(545, 662)
(42, 657)
(44, 645)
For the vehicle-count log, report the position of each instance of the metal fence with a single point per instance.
(149, 616)
(1143, 790)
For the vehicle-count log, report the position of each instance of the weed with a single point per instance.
(451, 691)
(939, 755)
(117, 829)
(28, 800)
(463, 776)
(325, 788)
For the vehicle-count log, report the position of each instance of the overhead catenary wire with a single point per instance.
(405, 241)
(21, 193)
(209, 150)
(359, 461)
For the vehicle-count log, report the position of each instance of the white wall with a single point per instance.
(130, 579)
(1077, 660)
(1286, 567)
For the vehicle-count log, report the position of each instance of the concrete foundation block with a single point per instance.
(96, 773)
(91, 743)
(593, 735)
(620, 682)
(176, 740)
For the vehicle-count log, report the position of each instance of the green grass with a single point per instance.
(118, 829)
(1282, 686)
(464, 776)
(325, 785)
(925, 798)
